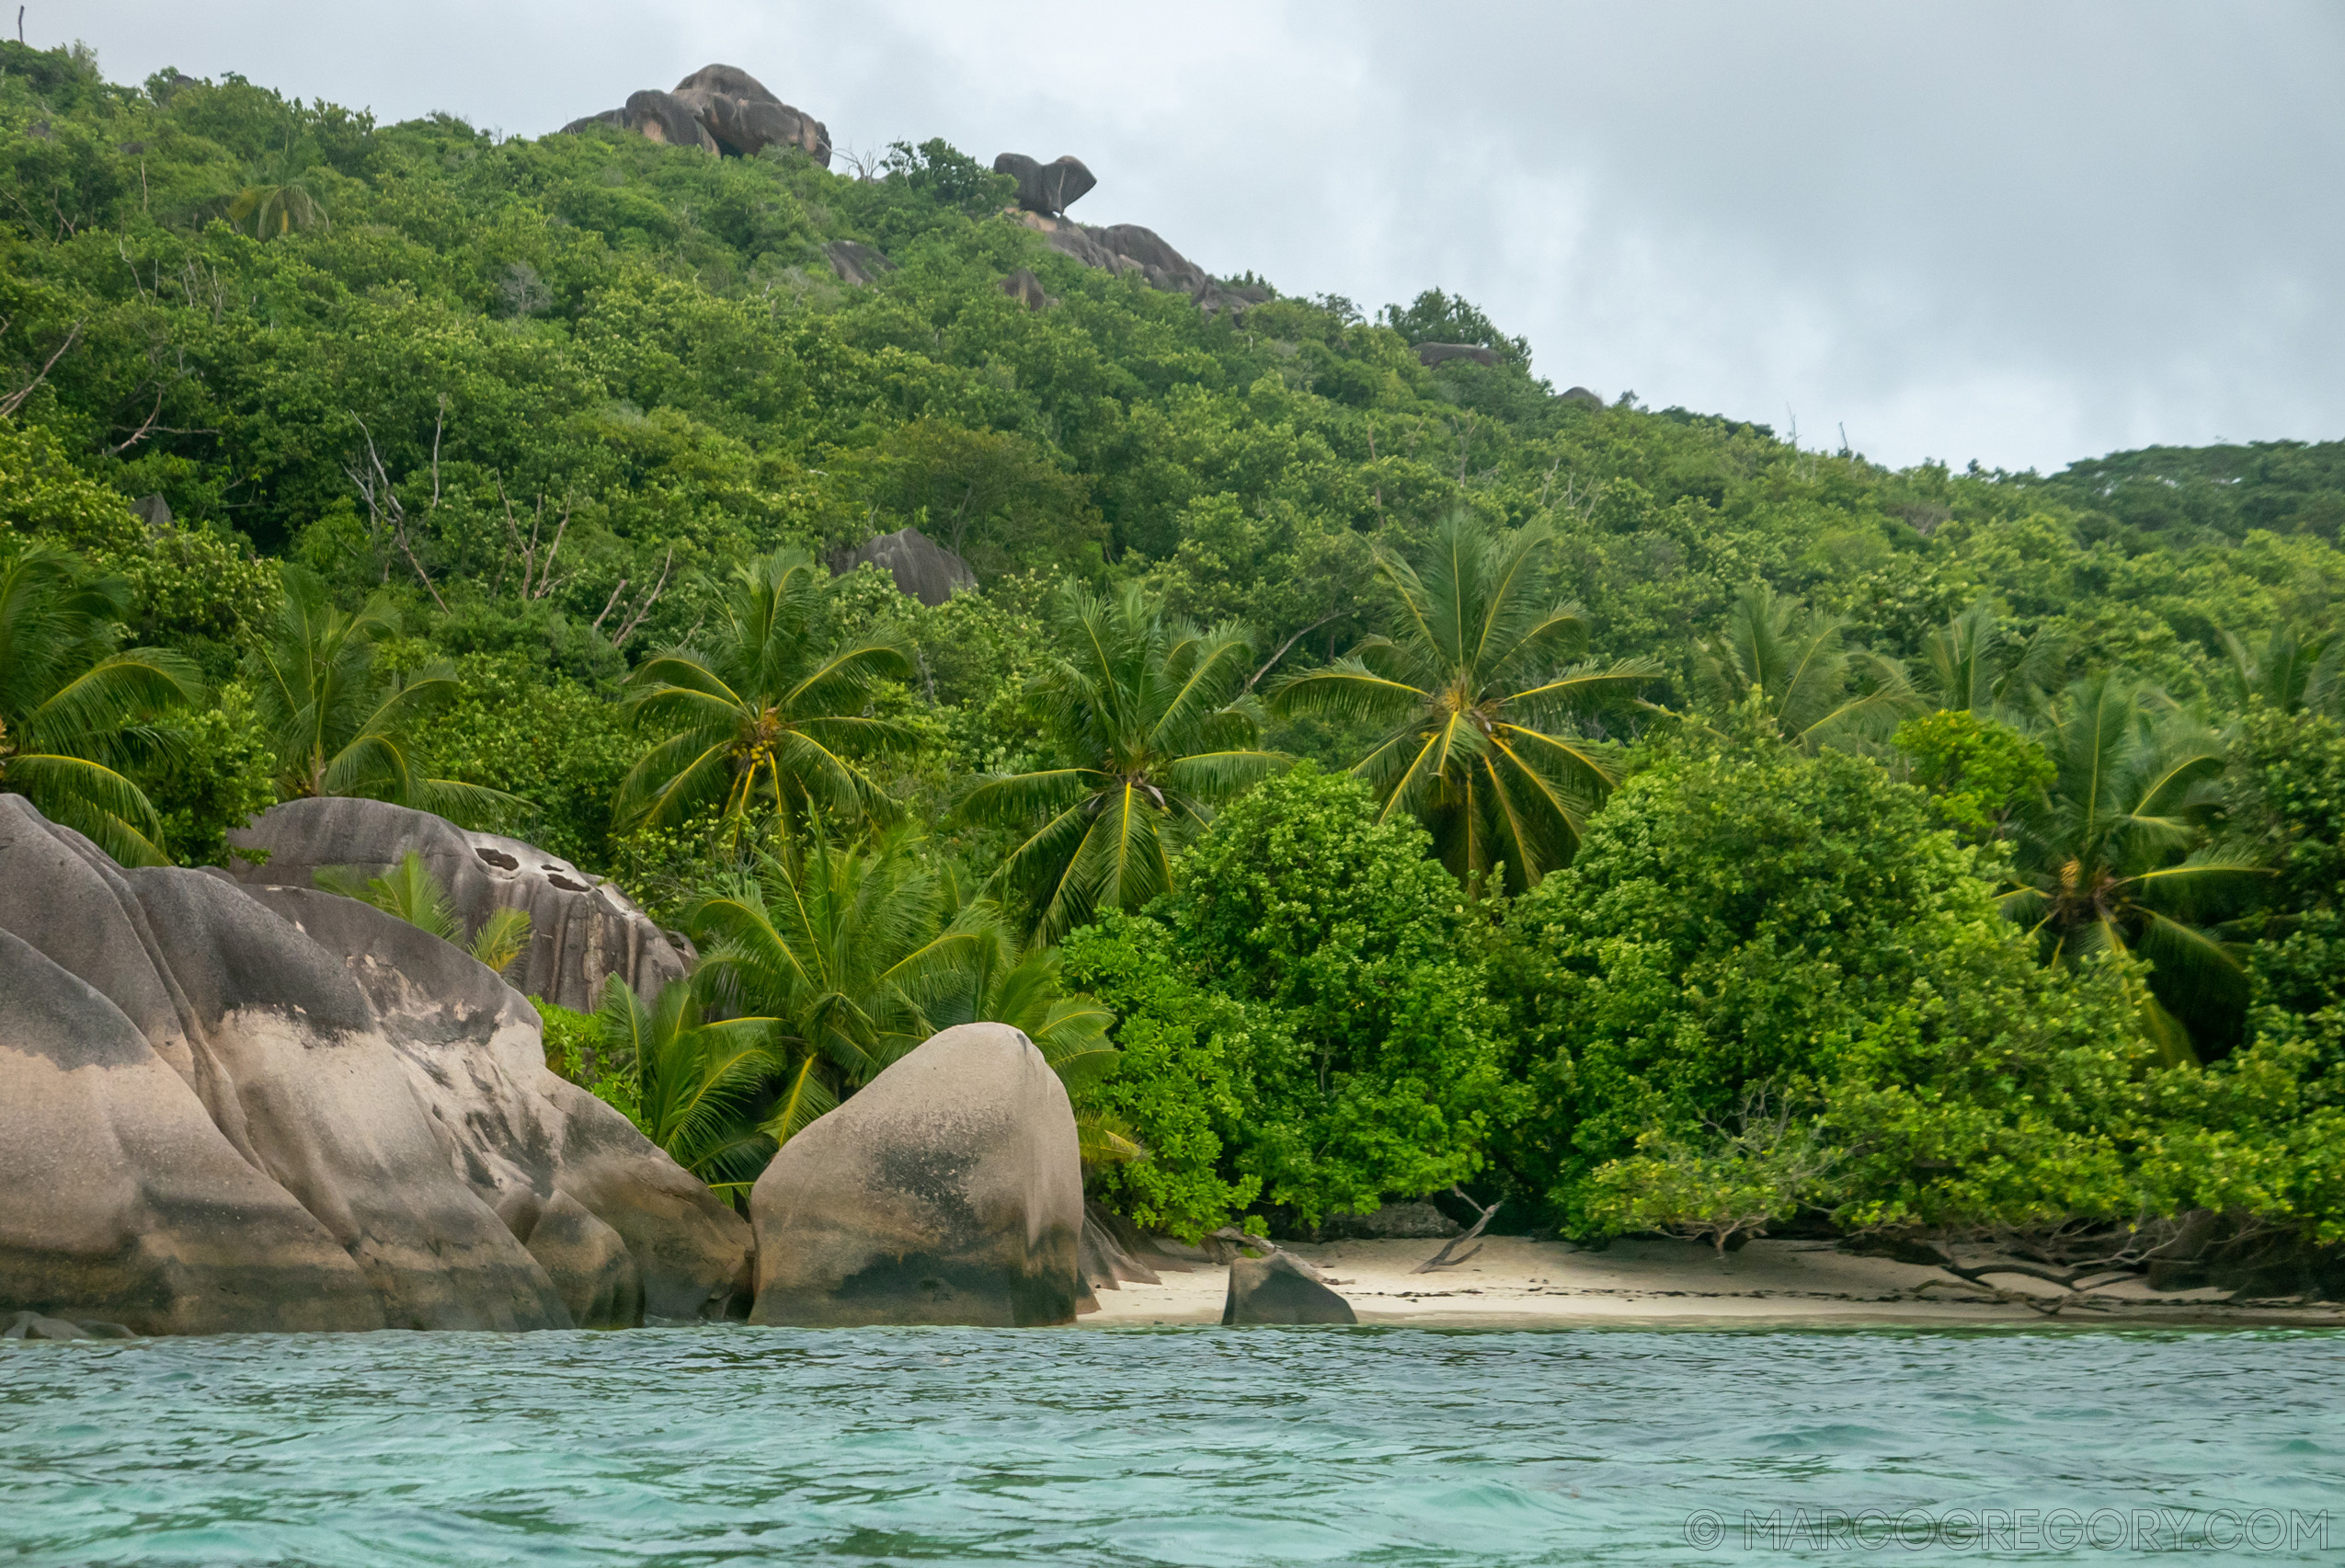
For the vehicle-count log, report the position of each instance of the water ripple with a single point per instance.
(722, 1446)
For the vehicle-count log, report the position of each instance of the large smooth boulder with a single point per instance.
(948, 1190)
(923, 569)
(612, 1218)
(226, 1109)
(1276, 1290)
(743, 118)
(582, 930)
(1048, 188)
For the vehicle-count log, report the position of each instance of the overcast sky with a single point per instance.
(2015, 233)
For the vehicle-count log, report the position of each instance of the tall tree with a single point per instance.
(1153, 729)
(1473, 685)
(73, 704)
(758, 714)
(2117, 860)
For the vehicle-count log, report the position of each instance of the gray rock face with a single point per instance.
(582, 930)
(663, 117)
(1275, 1290)
(743, 118)
(1395, 1221)
(569, 1176)
(1048, 188)
(1581, 394)
(923, 569)
(1436, 353)
(1026, 289)
(949, 1190)
(855, 262)
(32, 1325)
(1127, 247)
(1107, 1262)
(212, 1121)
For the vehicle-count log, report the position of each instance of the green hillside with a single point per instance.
(1915, 851)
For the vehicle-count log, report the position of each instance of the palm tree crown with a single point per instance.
(1472, 687)
(1794, 666)
(72, 705)
(341, 724)
(1972, 664)
(2109, 864)
(756, 713)
(1153, 729)
(2291, 672)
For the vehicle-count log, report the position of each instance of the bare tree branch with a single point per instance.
(1289, 643)
(16, 400)
(1442, 1258)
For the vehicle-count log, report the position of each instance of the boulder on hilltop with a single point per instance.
(582, 929)
(225, 1109)
(948, 1190)
(744, 119)
(1048, 189)
(722, 108)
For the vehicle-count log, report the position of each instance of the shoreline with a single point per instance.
(1516, 1283)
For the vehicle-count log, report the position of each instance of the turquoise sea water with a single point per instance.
(1188, 1446)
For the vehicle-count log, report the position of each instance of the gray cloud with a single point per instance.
(2009, 232)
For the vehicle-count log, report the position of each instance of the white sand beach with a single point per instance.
(1518, 1283)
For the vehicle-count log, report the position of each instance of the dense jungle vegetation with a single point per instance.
(1364, 779)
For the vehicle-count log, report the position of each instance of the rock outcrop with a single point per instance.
(1026, 289)
(722, 108)
(582, 930)
(655, 115)
(1276, 1290)
(1048, 188)
(1127, 247)
(949, 1190)
(744, 119)
(923, 569)
(225, 1108)
(855, 262)
(1414, 1221)
(1113, 1252)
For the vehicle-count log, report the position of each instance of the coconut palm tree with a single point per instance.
(2291, 672)
(1793, 669)
(1973, 664)
(1152, 729)
(1473, 685)
(756, 715)
(1024, 987)
(698, 1084)
(844, 948)
(73, 705)
(853, 954)
(2115, 861)
(341, 724)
